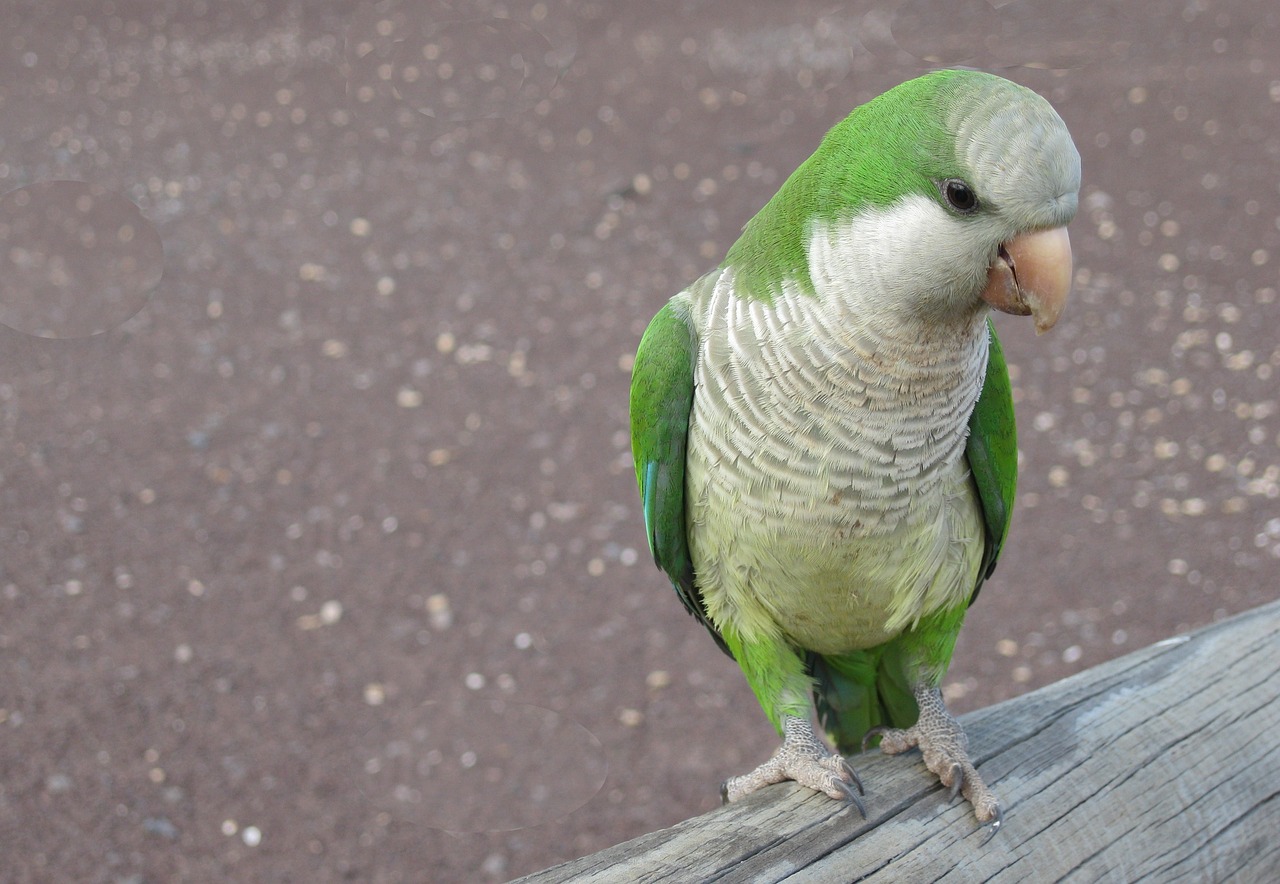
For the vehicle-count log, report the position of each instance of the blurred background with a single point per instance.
(321, 556)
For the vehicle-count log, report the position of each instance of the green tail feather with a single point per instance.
(858, 691)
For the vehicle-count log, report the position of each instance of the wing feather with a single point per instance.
(992, 451)
(662, 386)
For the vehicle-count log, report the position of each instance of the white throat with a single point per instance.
(911, 263)
(846, 394)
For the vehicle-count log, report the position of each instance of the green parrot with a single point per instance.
(823, 427)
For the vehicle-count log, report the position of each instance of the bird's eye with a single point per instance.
(960, 196)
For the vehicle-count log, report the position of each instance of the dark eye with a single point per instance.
(960, 196)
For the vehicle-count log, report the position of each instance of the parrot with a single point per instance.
(823, 429)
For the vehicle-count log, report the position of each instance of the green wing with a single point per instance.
(993, 456)
(661, 403)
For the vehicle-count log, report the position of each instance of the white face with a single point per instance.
(913, 259)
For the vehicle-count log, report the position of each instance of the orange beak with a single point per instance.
(1032, 277)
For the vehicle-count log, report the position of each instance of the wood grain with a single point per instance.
(1162, 765)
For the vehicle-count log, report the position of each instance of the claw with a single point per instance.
(724, 793)
(852, 797)
(944, 750)
(994, 825)
(803, 758)
(853, 776)
(878, 730)
(957, 780)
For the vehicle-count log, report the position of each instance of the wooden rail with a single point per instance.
(1159, 766)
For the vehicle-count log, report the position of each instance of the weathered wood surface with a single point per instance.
(1159, 766)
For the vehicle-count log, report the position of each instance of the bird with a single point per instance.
(823, 428)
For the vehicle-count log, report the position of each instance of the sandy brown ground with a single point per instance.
(328, 543)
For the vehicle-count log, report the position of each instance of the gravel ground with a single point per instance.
(322, 557)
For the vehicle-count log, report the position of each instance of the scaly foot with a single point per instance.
(945, 748)
(804, 759)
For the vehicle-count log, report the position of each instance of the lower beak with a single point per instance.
(1031, 276)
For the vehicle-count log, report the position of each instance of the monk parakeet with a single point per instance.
(823, 427)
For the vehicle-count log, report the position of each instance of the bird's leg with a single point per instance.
(806, 760)
(945, 748)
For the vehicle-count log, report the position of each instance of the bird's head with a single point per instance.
(947, 191)
(1016, 186)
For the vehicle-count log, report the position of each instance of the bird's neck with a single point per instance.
(879, 316)
(896, 369)
(850, 419)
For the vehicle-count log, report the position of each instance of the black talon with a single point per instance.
(724, 793)
(877, 731)
(853, 775)
(994, 825)
(957, 780)
(853, 797)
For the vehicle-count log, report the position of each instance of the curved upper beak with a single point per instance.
(1032, 276)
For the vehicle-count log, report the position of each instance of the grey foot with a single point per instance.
(804, 759)
(945, 748)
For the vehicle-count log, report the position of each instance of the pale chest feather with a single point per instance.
(827, 488)
(802, 413)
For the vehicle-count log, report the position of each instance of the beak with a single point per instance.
(1032, 276)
